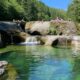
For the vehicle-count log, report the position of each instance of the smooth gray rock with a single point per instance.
(2, 70)
(3, 65)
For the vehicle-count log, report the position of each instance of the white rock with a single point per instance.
(2, 71)
(3, 63)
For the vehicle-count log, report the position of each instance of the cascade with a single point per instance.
(31, 40)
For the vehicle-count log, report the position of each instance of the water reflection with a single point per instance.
(43, 63)
(76, 69)
(52, 69)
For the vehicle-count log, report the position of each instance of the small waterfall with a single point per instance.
(31, 40)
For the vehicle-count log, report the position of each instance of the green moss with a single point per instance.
(12, 74)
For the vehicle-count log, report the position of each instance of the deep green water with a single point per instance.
(40, 63)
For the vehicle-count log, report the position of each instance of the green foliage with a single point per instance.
(74, 10)
(10, 9)
(74, 13)
(58, 13)
(29, 10)
(52, 32)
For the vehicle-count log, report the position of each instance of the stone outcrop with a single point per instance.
(76, 42)
(55, 40)
(3, 65)
(1, 44)
(51, 27)
(38, 26)
(4, 38)
(11, 32)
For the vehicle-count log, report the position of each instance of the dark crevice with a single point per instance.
(54, 43)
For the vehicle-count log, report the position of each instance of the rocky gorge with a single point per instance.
(47, 32)
(53, 33)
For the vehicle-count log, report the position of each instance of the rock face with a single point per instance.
(56, 40)
(11, 32)
(51, 27)
(76, 42)
(9, 26)
(38, 26)
(4, 38)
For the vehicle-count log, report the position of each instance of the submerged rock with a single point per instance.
(55, 40)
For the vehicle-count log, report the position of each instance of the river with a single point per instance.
(40, 63)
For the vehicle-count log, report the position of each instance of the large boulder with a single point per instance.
(11, 32)
(64, 27)
(10, 26)
(39, 27)
(51, 27)
(20, 37)
(55, 40)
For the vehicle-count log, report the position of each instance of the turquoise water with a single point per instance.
(40, 63)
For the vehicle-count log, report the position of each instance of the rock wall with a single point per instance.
(38, 26)
(51, 27)
(56, 40)
(11, 32)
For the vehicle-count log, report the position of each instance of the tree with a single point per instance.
(30, 10)
(74, 10)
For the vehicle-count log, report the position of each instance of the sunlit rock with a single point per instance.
(41, 27)
(3, 65)
(56, 40)
(2, 70)
(51, 27)
(76, 45)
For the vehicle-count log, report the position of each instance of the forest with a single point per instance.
(74, 10)
(32, 10)
(73, 13)
(29, 10)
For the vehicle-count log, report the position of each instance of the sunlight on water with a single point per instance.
(52, 70)
(41, 63)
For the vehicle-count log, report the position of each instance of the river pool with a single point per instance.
(40, 63)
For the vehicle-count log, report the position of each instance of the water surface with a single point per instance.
(40, 63)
